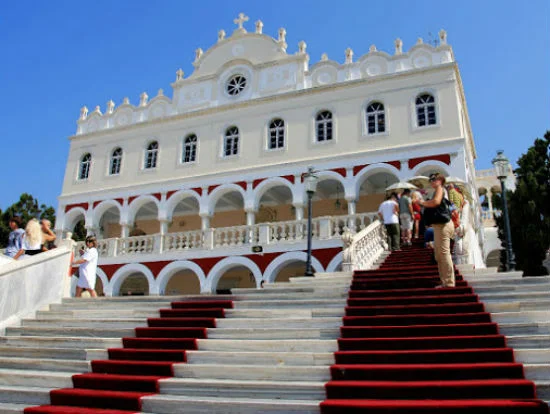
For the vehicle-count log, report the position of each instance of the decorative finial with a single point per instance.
(398, 46)
(97, 110)
(126, 101)
(143, 99)
(443, 37)
(179, 75)
(83, 113)
(198, 54)
(282, 35)
(349, 56)
(302, 47)
(372, 48)
(240, 21)
(324, 57)
(110, 107)
(419, 41)
(259, 27)
(221, 35)
(160, 92)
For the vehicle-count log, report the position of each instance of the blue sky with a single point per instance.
(57, 56)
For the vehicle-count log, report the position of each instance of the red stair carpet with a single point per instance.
(408, 348)
(116, 385)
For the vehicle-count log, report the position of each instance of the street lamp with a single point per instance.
(310, 182)
(502, 168)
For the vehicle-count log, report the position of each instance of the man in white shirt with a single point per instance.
(389, 214)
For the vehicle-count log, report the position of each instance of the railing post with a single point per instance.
(325, 228)
(264, 234)
(157, 243)
(112, 249)
(208, 237)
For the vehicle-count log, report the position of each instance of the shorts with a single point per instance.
(406, 221)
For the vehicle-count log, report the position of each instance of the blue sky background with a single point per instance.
(57, 56)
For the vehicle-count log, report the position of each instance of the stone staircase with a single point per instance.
(270, 354)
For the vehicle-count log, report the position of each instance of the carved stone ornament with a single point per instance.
(324, 57)
(302, 47)
(143, 99)
(110, 107)
(443, 37)
(398, 46)
(179, 75)
(349, 56)
(372, 48)
(221, 35)
(259, 27)
(83, 113)
(126, 101)
(97, 110)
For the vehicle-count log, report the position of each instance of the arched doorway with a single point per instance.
(135, 284)
(183, 212)
(372, 190)
(236, 277)
(145, 219)
(274, 204)
(183, 282)
(109, 223)
(227, 208)
(329, 198)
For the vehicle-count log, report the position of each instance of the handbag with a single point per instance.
(438, 215)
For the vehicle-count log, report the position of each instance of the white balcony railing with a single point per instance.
(324, 228)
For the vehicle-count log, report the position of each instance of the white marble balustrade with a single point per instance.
(323, 228)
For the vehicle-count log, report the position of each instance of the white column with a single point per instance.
(299, 211)
(250, 217)
(124, 230)
(352, 211)
(164, 227)
(205, 222)
(489, 196)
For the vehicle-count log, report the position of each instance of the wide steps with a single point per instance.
(274, 358)
(289, 390)
(181, 404)
(252, 372)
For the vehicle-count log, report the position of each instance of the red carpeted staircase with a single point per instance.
(406, 347)
(116, 385)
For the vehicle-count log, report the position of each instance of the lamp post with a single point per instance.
(502, 168)
(310, 182)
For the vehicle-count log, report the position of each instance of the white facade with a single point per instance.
(212, 139)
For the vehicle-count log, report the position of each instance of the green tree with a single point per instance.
(529, 208)
(27, 208)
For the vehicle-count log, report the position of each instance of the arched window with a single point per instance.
(231, 141)
(116, 161)
(425, 110)
(323, 126)
(151, 155)
(276, 134)
(85, 164)
(189, 148)
(376, 118)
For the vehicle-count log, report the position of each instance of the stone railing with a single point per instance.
(364, 248)
(323, 228)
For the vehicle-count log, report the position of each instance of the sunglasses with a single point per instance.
(433, 179)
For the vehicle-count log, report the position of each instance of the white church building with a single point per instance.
(180, 187)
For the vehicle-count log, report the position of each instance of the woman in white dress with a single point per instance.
(32, 240)
(87, 268)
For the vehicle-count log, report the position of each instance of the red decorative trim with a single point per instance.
(242, 184)
(130, 199)
(341, 171)
(212, 187)
(289, 178)
(258, 181)
(69, 207)
(396, 164)
(170, 193)
(158, 196)
(198, 190)
(358, 168)
(110, 270)
(120, 201)
(156, 267)
(445, 158)
(96, 203)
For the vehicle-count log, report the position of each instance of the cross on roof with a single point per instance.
(240, 20)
